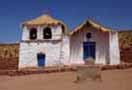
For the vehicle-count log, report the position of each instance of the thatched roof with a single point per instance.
(43, 20)
(91, 23)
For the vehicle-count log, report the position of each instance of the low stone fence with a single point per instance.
(126, 55)
(9, 54)
(62, 69)
(36, 71)
(114, 67)
(8, 63)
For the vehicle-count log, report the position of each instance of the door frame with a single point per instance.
(91, 47)
(41, 59)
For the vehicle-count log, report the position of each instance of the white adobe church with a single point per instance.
(45, 42)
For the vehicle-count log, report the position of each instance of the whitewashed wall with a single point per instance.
(25, 33)
(29, 51)
(56, 32)
(65, 51)
(52, 49)
(114, 48)
(102, 46)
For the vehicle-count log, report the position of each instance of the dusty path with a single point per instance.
(112, 80)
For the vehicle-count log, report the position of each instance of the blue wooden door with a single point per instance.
(89, 50)
(41, 60)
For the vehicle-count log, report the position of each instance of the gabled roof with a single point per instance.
(43, 20)
(90, 23)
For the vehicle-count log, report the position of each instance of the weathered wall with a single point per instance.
(55, 49)
(65, 52)
(28, 53)
(9, 56)
(102, 45)
(114, 48)
(126, 55)
(51, 49)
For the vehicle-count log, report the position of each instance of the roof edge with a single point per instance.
(93, 24)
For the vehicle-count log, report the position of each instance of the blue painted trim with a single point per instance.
(89, 50)
(41, 60)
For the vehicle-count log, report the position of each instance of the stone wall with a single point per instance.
(125, 41)
(9, 56)
(126, 55)
(56, 32)
(29, 51)
(9, 53)
(102, 45)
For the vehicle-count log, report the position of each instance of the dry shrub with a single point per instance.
(89, 61)
(125, 39)
(89, 72)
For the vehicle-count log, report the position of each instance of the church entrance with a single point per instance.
(89, 50)
(41, 59)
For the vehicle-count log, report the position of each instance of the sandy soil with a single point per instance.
(112, 80)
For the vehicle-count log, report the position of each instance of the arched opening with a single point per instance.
(89, 50)
(47, 33)
(63, 28)
(33, 33)
(41, 59)
(89, 35)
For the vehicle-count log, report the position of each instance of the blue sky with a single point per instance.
(116, 14)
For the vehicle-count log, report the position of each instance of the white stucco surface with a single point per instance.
(66, 50)
(114, 49)
(56, 50)
(28, 53)
(102, 45)
(56, 32)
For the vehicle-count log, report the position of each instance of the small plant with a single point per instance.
(89, 61)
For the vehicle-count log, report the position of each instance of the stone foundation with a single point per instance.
(126, 55)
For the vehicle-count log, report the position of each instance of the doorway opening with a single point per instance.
(41, 59)
(89, 50)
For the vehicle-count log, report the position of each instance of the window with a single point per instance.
(63, 28)
(47, 33)
(33, 33)
(88, 35)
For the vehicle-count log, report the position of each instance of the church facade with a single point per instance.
(45, 42)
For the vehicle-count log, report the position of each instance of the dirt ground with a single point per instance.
(111, 80)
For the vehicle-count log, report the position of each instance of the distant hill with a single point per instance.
(9, 54)
(9, 50)
(125, 39)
